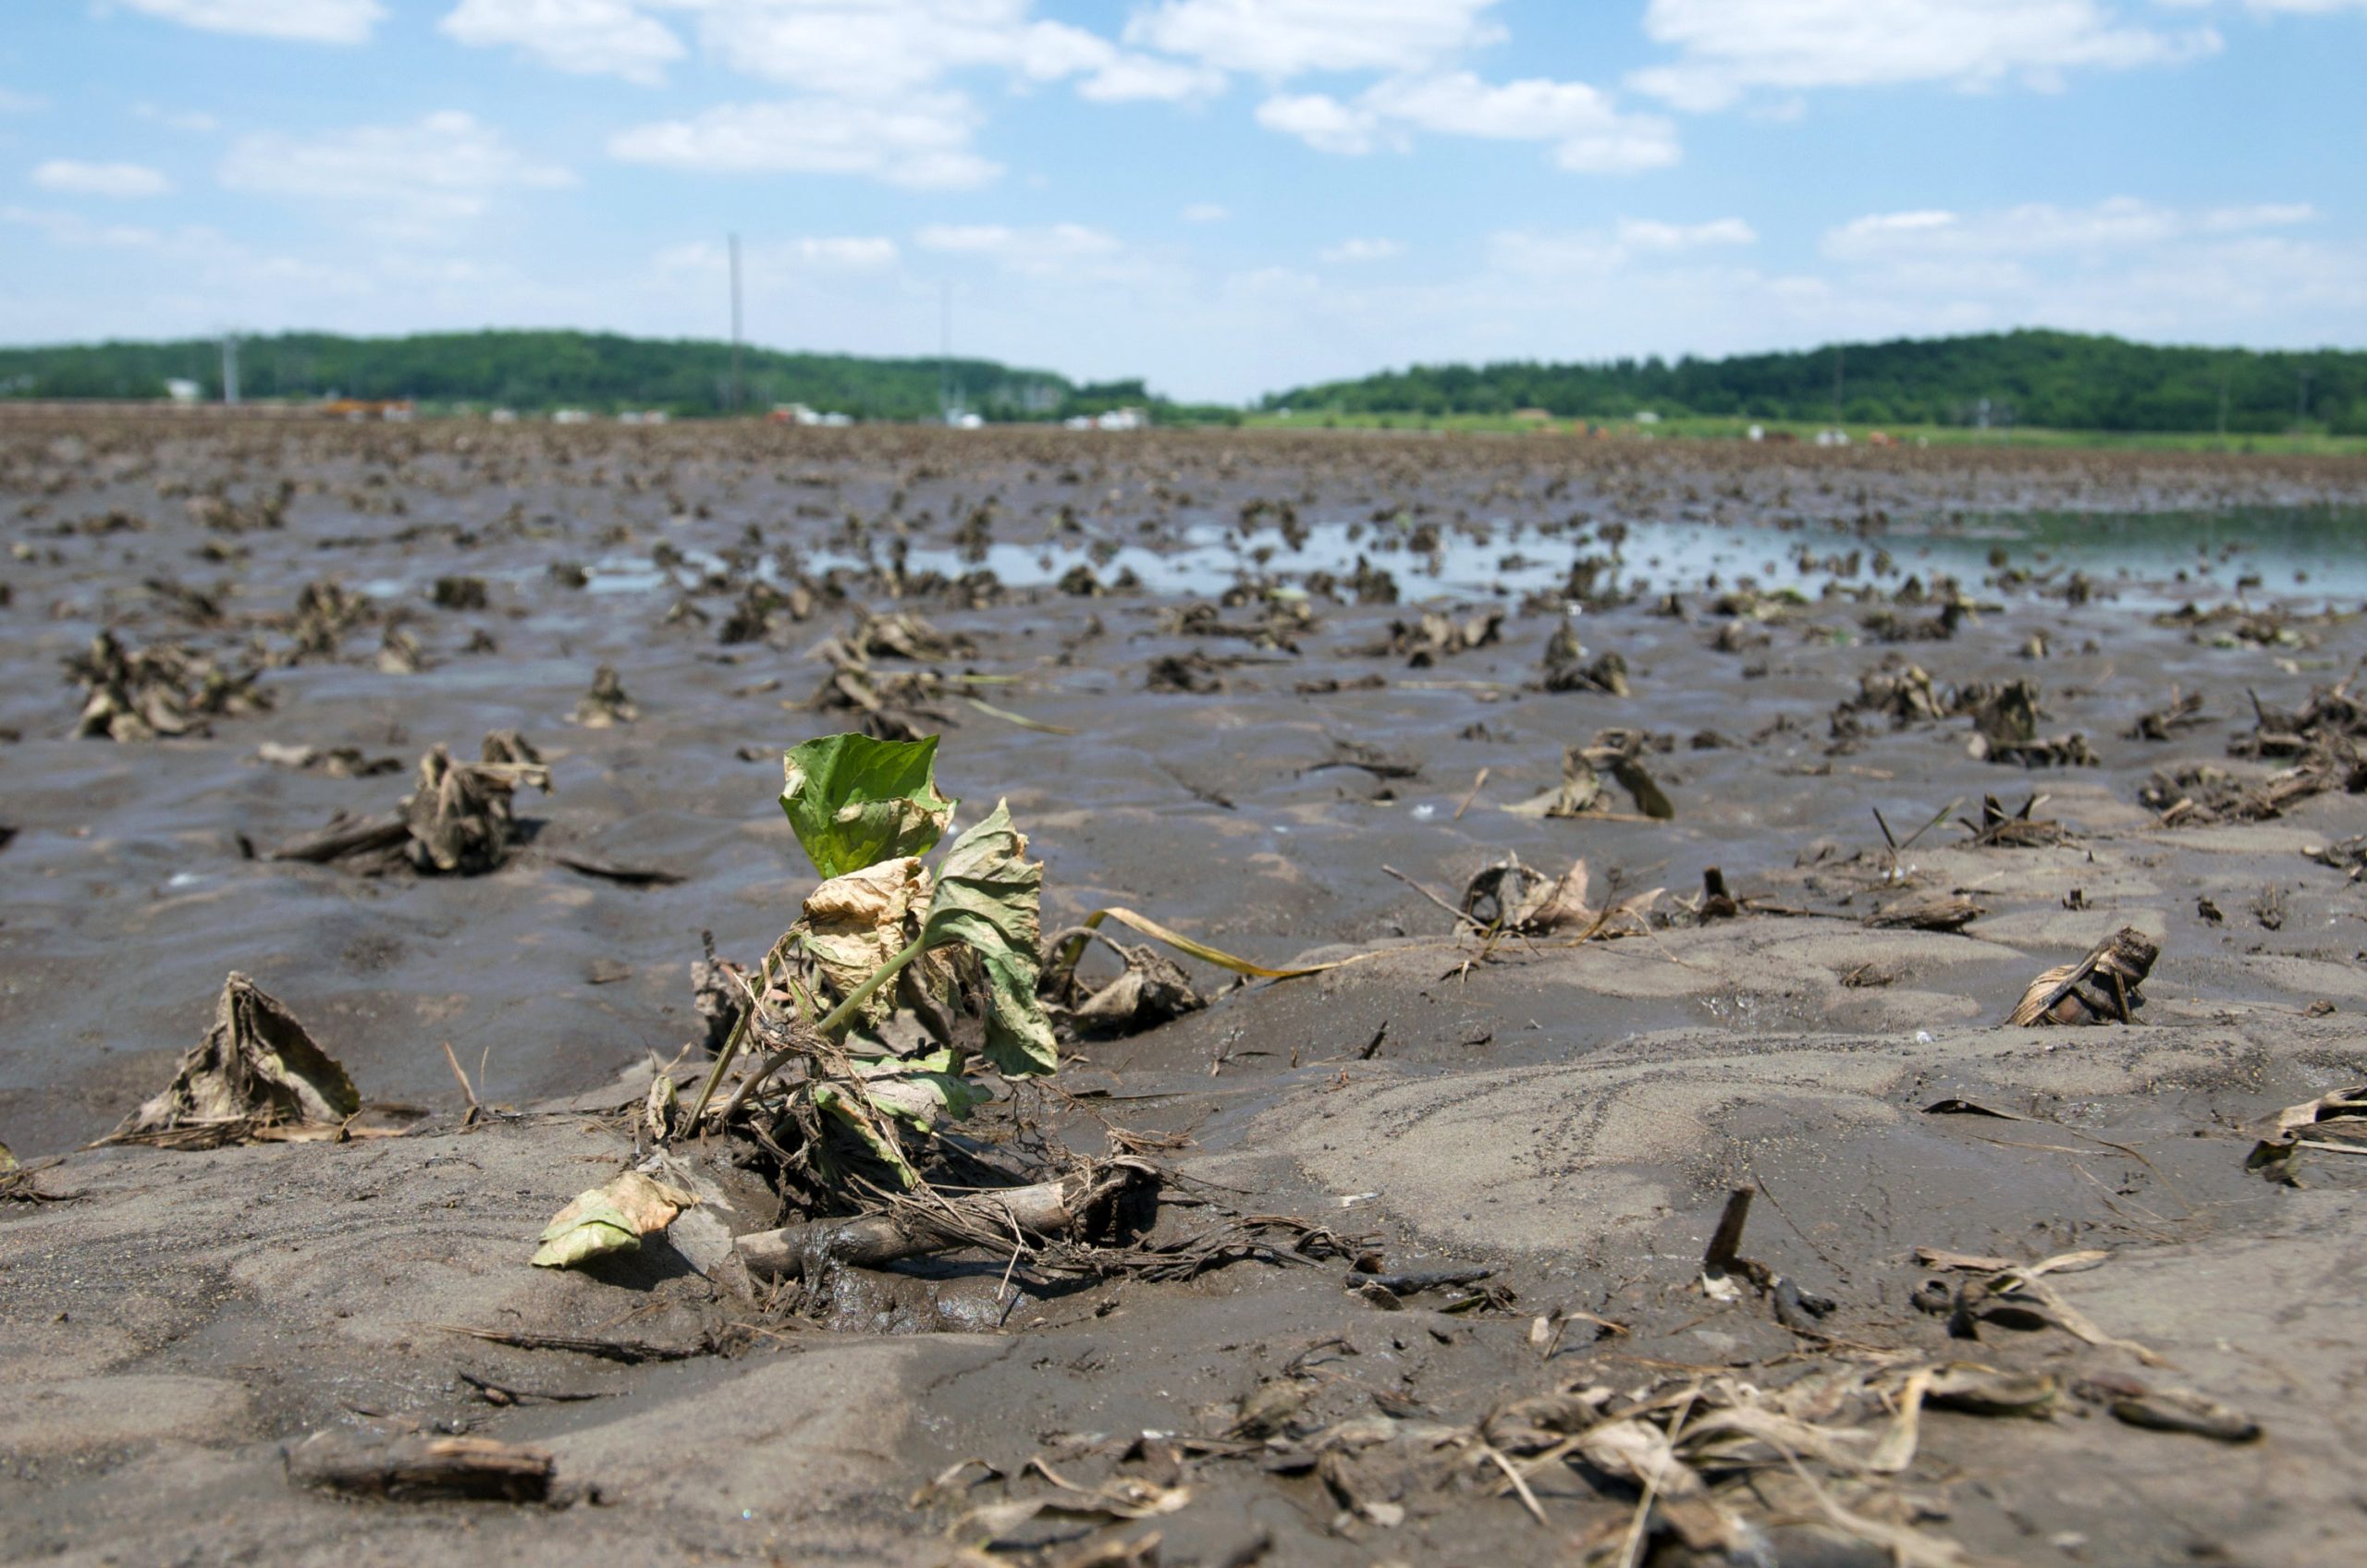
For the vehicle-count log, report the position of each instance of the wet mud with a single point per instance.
(1256, 688)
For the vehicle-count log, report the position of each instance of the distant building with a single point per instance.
(182, 391)
(571, 416)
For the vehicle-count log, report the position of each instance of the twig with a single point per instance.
(465, 1089)
(1459, 914)
(630, 1352)
(1528, 1498)
(1474, 795)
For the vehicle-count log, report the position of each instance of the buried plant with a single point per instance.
(257, 1074)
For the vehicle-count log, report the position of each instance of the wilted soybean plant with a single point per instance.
(883, 935)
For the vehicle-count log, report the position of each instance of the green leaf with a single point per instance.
(987, 892)
(923, 1090)
(854, 802)
(843, 1109)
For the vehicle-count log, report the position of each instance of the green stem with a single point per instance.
(738, 1035)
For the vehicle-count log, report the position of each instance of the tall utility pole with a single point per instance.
(2223, 410)
(1840, 356)
(735, 324)
(2301, 403)
(945, 351)
(230, 369)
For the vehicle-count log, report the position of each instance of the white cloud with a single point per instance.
(584, 37)
(1728, 47)
(412, 181)
(1645, 234)
(80, 178)
(869, 50)
(73, 229)
(1322, 121)
(1205, 211)
(303, 21)
(1061, 249)
(1590, 134)
(1362, 251)
(2040, 228)
(1127, 77)
(921, 140)
(833, 254)
(1595, 253)
(880, 48)
(1276, 39)
(13, 103)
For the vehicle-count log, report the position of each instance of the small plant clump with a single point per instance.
(899, 980)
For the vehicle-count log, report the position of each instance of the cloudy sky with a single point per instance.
(1227, 196)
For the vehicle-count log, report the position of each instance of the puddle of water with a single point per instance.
(2149, 559)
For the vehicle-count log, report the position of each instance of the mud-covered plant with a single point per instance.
(888, 942)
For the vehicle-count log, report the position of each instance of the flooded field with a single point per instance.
(1300, 699)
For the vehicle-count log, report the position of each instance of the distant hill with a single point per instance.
(2057, 379)
(536, 371)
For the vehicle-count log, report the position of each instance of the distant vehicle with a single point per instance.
(798, 413)
(1109, 419)
(182, 391)
(368, 408)
(571, 416)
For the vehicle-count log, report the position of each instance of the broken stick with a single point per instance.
(915, 1229)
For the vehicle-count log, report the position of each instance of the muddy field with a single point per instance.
(1445, 1208)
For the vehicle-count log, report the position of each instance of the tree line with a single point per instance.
(2056, 380)
(536, 372)
(2060, 380)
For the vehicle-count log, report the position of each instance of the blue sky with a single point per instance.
(1226, 196)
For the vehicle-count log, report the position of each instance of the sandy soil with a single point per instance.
(1571, 1116)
